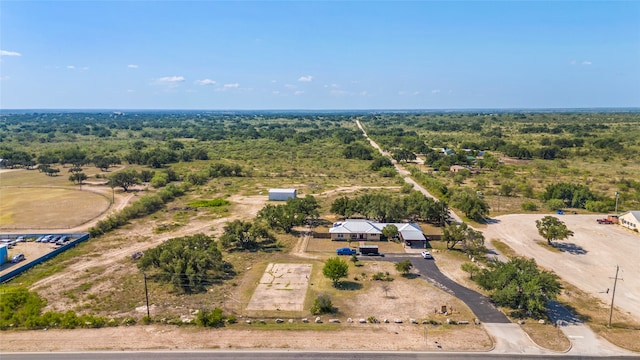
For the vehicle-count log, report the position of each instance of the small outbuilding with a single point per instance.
(630, 219)
(282, 194)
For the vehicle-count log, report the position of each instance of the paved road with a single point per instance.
(274, 355)
(478, 303)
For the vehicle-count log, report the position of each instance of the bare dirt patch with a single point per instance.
(155, 337)
(282, 287)
(48, 208)
(588, 259)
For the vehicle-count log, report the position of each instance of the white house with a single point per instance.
(363, 230)
(630, 219)
(282, 194)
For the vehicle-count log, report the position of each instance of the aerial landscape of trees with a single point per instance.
(181, 167)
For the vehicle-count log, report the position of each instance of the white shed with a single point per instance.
(282, 194)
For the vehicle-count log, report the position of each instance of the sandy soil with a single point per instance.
(154, 337)
(141, 238)
(589, 258)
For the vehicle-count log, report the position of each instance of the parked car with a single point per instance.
(345, 251)
(17, 258)
(605, 221)
(427, 255)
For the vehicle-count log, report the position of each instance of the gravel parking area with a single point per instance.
(588, 259)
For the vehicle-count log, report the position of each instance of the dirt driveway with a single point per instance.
(588, 259)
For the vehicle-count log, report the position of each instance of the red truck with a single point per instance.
(605, 221)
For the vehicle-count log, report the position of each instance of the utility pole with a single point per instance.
(617, 203)
(146, 294)
(615, 282)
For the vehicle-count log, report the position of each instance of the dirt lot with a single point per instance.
(346, 337)
(282, 287)
(588, 259)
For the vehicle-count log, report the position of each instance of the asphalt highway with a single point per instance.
(279, 355)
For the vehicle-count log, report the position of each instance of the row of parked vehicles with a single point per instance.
(53, 239)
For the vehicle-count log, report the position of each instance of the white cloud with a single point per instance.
(71, 67)
(435, 91)
(307, 78)
(408, 93)
(274, 81)
(206, 82)
(171, 79)
(9, 53)
(299, 92)
(572, 62)
(231, 86)
(290, 86)
(130, 90)
(4, 78)
(132, 66)
(586, 62)
(275, 92)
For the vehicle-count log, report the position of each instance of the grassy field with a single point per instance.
(48, 207)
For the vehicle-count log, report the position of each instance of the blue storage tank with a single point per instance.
(4, 254)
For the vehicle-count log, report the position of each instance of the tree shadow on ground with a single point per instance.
(348, 285)
(561, 314)
(490, 221)
(410, 276)
(571, 248)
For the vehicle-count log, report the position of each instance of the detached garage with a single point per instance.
(282, 194)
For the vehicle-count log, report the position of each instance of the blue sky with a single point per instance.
(318, 55)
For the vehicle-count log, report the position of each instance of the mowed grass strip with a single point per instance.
(48, 207)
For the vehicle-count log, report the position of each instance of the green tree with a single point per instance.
(551, 228)
(470, 268)
(335, 269)
(472, 240)
(190, 263)
(357, 151)
(78, 177)
(244, 235)
(125, 178)
(473, 206)
(390, 231)
(404, 266)
(342, 206)
(403, 155)
(520, 285)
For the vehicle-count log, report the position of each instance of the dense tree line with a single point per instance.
(293, 213)
(387, 208)
(189, 263)
(573, 195)
(146, 205)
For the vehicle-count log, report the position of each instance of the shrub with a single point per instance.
(554, 204)
(322, 305)
(210, 318)
(529, 206)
